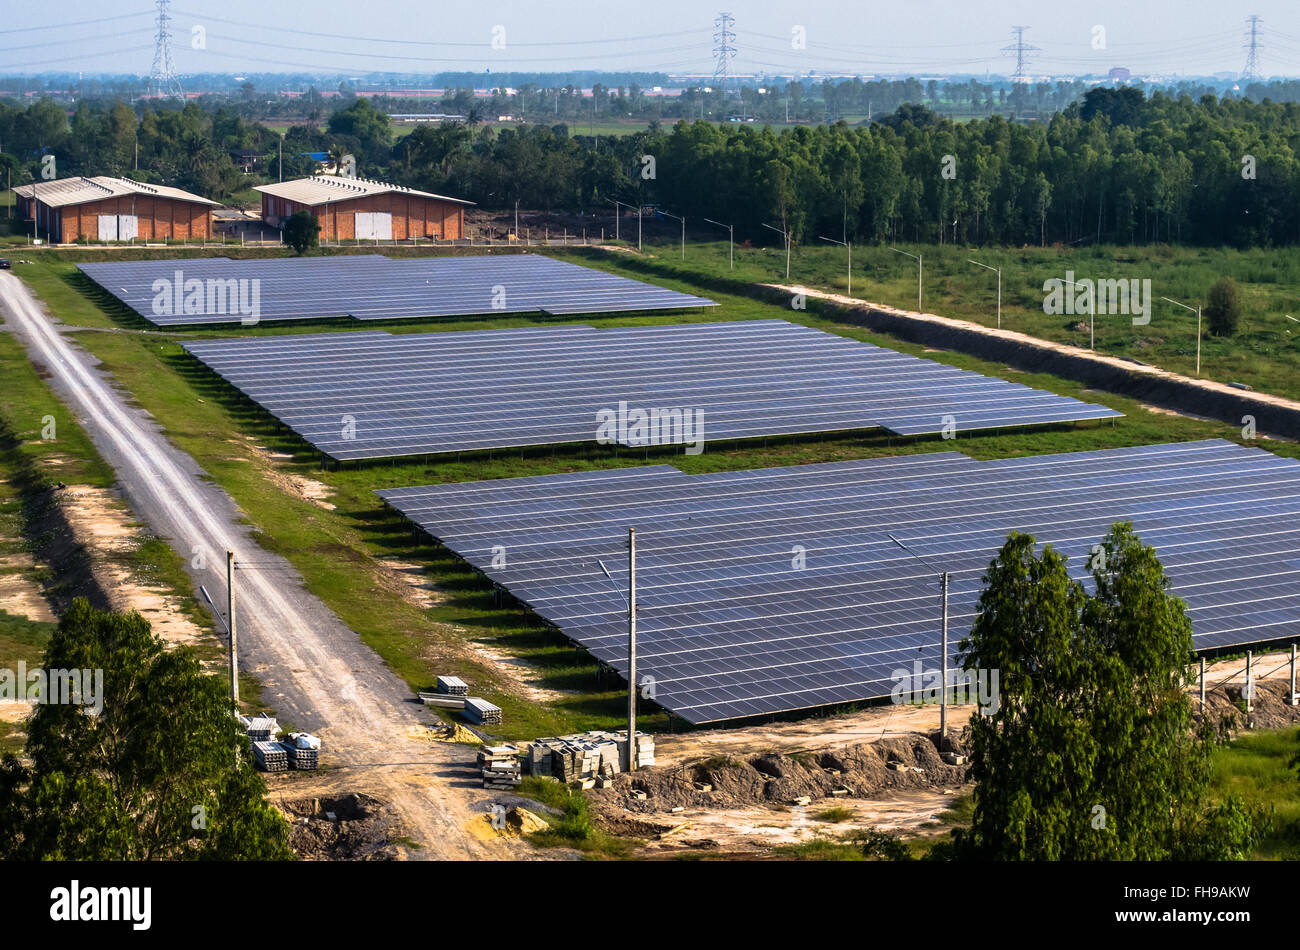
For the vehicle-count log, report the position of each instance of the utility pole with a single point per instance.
(631, 649)
(943, 693)
(282, 156)
(234, 641)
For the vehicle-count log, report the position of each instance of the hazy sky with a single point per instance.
(922, 37)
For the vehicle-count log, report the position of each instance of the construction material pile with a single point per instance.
(301, 751)
(271, 756)
(452, 686)
(482, 712)
(260, 728)
(591, 759)
(500, 766)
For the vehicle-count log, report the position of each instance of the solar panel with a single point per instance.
(375, 395)
(730, 625)
(372, 287)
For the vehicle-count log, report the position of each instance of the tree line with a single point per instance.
(1116, 166)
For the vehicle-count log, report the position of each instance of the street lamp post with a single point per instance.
(731, 240)
(998, 271)
(1092, 312)
(785, 234)
(682, 219)
(850, 247)
(920, 267)
(943, 692)
(1197, 311)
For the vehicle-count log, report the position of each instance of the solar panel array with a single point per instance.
(375, 395)
(729, 627)
(373, 287)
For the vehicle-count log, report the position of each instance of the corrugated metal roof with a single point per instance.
(323, 189)
(79, 191)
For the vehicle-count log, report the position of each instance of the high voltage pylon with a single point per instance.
(724, 49)
(162, 77)
(1251, 72)
(1021, 49)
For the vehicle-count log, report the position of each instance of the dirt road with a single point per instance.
(316, 672)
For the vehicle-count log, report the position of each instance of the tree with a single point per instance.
(1091, 753)
(155, 774)
(302, 232)
(1223, 310)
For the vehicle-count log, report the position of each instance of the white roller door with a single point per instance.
(373, 224)
(108, 227)
(128, 227)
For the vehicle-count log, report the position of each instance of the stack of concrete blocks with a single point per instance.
(261, 728)
(590, 759)
(482, 712)
(500, 766)
(270, 756)
(303, 750)
(452, 686)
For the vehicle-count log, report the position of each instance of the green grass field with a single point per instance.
(1263, 353)
(338, 550)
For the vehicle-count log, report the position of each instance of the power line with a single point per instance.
(352, 38)
(59, 26)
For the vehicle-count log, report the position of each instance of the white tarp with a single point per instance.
(128, 227)
(108, 227)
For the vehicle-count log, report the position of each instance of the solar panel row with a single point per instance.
(373, 287)
(375, 395)
(778, 589)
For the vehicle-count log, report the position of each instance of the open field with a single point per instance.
(421, 608)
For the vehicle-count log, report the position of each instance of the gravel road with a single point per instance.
(315, 670)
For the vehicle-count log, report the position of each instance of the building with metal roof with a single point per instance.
(113, 209)
(362, 209)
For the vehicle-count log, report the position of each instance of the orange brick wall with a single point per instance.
(412, 215)
(159, 219)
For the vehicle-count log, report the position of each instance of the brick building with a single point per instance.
(113, 209)
(360, 209)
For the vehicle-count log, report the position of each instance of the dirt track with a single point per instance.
(315, 670)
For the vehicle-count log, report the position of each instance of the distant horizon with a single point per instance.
(833, 37)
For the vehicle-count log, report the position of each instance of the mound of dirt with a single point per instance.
(1225, 708)
(349, 828)
(865, 770)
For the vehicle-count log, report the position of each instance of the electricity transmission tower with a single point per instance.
(724, 49)
(162, 77)
(1021, 49)
(1251, 72)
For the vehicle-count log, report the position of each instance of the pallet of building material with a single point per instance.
(441, 701)
(263, 729)
(504, 753)
(482, 712)
(305, 760)
(452, 686)
(270, 756)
